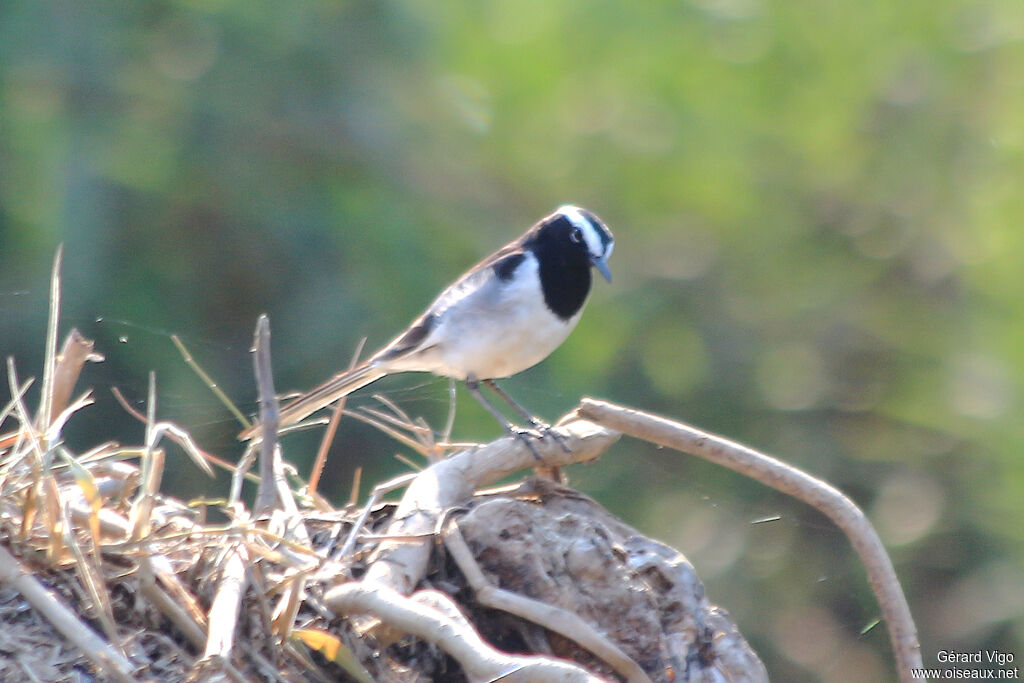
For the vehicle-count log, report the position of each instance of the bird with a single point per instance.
(505, 314)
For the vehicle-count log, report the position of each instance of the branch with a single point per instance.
(549, 616)
(332, 428)
(266, 496)
(786, 478)
(400, 564)
(432, 616)
(223, 614)
(50, 355)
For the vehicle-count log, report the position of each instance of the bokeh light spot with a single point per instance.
(908, 506)
(792, 377)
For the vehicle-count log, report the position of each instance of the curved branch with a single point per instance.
(432, 616)
(402, 563)
(788, 479)
(549, 616)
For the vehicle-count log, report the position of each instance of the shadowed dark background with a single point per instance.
(817, 209)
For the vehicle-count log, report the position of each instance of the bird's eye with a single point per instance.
(576, 235)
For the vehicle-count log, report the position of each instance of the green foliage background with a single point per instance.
(817, 209)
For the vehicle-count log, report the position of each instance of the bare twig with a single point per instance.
(241, 471)
(178, 613)
(50, 359)
(152, 470)
(325, 445)
(273, 492)
(57, 423)
(418, 427)
(149, 488)
(92, 579)
(451, 482)
(17, 396)
(357, 478)
(223, 614)
(217, 391)
(378, 491)
(382, 421)
(446, 433)
(786, 478)
(547, 615)
(332, 429)
(173, 599)
(182, 438)
(408, 462)
(430, 615)
(266, 496)
(292, 523)
(44, 494)
(288, 603)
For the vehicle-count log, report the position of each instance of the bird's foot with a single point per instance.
(545, 430)
(538, 430)
(526, 436)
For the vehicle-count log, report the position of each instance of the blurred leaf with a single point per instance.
(331, 647)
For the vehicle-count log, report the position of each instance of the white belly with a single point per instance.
(494, 331)
(505, 349)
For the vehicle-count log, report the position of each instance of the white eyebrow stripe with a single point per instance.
(575, 216)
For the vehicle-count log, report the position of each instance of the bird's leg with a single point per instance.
(523, 412)
(536, 422)
(523, 435)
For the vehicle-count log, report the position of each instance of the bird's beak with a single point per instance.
(602, 267)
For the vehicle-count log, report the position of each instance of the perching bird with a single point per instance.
(504, 315)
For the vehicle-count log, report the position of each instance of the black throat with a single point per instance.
(564, 273)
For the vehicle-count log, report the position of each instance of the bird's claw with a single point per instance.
(539, 431)
(546, 430)
(525, 436)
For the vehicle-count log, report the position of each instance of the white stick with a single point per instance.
(430, 615)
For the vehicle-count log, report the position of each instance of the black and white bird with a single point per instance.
(504, 315)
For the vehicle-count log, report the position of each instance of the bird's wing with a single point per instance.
(417, 335)
(475, 278)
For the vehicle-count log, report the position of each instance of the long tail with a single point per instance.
(323, 395)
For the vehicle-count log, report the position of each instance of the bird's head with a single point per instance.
(582, 230)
